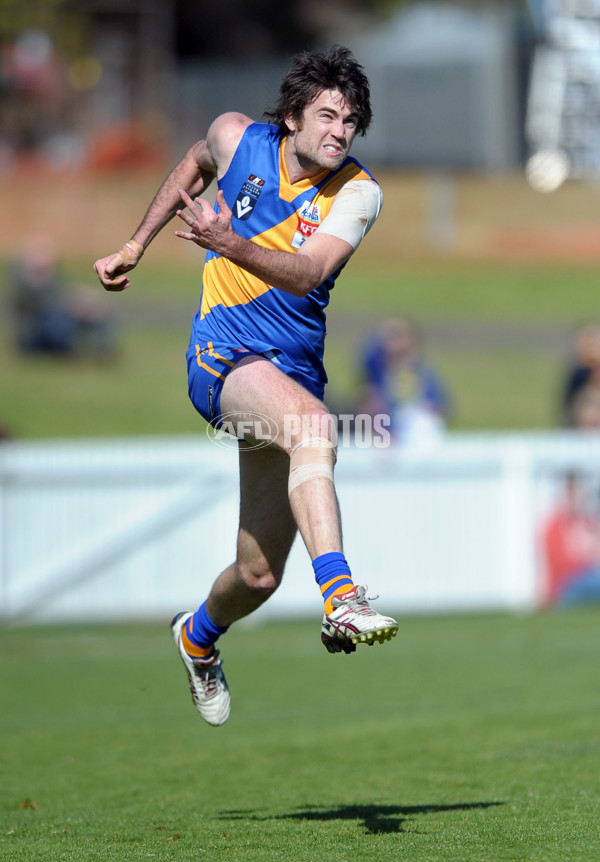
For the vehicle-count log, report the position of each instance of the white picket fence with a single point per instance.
(138, 528)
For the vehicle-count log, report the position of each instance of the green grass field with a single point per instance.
(466, 738)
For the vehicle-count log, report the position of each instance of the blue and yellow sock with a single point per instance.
(200, 634)
(332, 574)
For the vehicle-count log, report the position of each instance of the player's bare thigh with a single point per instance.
(255, 385)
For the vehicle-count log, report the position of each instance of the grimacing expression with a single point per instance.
(325, 134)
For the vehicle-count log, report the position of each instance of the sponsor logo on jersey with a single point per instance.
(247, 197)
(309, 219)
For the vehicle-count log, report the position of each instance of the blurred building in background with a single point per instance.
(447, 82)
(563, 117)
(107, 83)
(446, 87)
(469, 86)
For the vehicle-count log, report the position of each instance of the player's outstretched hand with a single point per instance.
(207, 228)
(111, 270)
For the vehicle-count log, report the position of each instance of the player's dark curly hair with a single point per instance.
(312, 72)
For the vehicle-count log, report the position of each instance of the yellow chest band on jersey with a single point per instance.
(311, 458)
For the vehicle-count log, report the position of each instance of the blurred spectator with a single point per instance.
(129, 146)
(571, 546)
(398, 381)
(580, 398)
(49, 317)
(585, 408)
(34, 93)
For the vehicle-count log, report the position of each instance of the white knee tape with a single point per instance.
(312, 458)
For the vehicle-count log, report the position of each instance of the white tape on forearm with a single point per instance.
(353, 211)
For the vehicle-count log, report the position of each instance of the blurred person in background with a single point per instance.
(34, 96)
(570, 538)
(584, 413)
(398, 381)
(292, 207)
(52, 317)
(580, 395)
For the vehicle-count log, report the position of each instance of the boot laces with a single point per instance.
(357, 603)
(208, 675)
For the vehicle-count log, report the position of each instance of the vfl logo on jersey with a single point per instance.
(247, 197)
(309, 219)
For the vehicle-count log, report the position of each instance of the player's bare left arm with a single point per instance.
(200, 165)
(195, 171)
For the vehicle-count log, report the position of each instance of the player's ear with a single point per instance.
(292, 124)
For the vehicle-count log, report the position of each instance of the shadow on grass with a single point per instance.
(376, 819)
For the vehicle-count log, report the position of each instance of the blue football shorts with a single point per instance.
(208, 367)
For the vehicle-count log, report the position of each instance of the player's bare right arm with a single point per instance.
(195, 172)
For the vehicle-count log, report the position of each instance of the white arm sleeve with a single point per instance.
(353, 211)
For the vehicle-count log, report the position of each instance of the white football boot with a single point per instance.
(207, 680)
(353, 621)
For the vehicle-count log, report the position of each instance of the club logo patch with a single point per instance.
(309, 219)
(247, 197)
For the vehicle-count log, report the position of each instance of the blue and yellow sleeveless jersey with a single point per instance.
(239, 313)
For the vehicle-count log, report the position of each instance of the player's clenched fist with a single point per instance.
(112, 270)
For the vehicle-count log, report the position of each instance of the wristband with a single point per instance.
(135, 247)
(131, 253)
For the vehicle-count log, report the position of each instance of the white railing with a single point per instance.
(138, 528)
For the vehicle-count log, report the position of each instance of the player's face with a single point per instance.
(323, 137)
